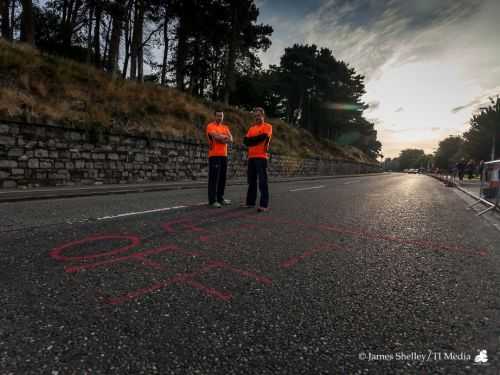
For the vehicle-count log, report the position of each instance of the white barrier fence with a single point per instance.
(489, 191)
(490, 184)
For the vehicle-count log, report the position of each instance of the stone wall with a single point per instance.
(45, 155)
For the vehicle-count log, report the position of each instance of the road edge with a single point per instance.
(76, 192)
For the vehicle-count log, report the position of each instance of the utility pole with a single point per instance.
(495, 125)
(496, 110)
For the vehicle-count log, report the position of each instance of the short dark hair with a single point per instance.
(218, 111)
(259, 109)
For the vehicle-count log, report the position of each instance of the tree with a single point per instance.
(410, 158)
(61, 28)
(136, 48)
(128, 37)
(391, 164)
(6, 21)
(296, 80)
(98, 8)
(323, 95)
(27, 30)
(117, 12)
(166, 20)
(184, 26)
(449, 152)
(244, 35)
(482, 140)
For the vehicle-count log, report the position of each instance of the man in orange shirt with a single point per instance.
(257, 140)
(218, 136)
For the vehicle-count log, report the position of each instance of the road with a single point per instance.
(379, 275)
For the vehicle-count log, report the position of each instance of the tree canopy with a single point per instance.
(209, 49)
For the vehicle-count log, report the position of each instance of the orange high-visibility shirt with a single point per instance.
(216, 148)
(260, 150)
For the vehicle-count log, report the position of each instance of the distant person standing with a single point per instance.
(471, 166)
(257, 140)
(218, 136)
(480, 169)
(461, 170)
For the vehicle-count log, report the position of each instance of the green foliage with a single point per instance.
(449, 152)
(210, 51)
(391, 164)
(411, 158)
(484, 127)
(315, 91)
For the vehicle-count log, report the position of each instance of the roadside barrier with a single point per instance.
(489, 193)
(490, 186)
(448, 179)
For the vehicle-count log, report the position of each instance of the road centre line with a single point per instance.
(308, 188)
(351, 182)
(140, 213)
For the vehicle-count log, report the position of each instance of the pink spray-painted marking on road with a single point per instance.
(189, 279)
(116, 257)
(56, 253)
(190, 226)
(376, 236)
(139, 257)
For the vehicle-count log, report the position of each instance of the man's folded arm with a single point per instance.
(217, 137)
(252, 141)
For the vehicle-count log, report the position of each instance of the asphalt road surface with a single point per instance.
(377, 275)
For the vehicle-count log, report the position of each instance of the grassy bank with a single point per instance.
(48, 89)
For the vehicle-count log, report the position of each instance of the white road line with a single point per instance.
(308, 188)
(140, 212)
(351, 182)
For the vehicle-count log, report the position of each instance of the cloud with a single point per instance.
(398, 131)
(479, 101)
(437, 59)
(400, 109)
(462, 107)
(369, 34)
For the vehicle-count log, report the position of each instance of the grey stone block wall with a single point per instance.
(43, 155)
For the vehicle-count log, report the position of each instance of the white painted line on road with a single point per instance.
(140, 212)
(351, 182)
(308, 188)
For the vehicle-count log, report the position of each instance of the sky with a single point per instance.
(428, 64)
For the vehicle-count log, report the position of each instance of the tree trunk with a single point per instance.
(195, 72)
(89, 32)
(136, 49)
(66, 28)
(140, 55)
(231, 55)
(105, 56)
(28, 28)
(64, 12)
(12, 19)
(116, 34)
(127, 38)
(180, 62)
(214, 81)
(165, 52)
(4, 12)
(97, 34)
(72, 21)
